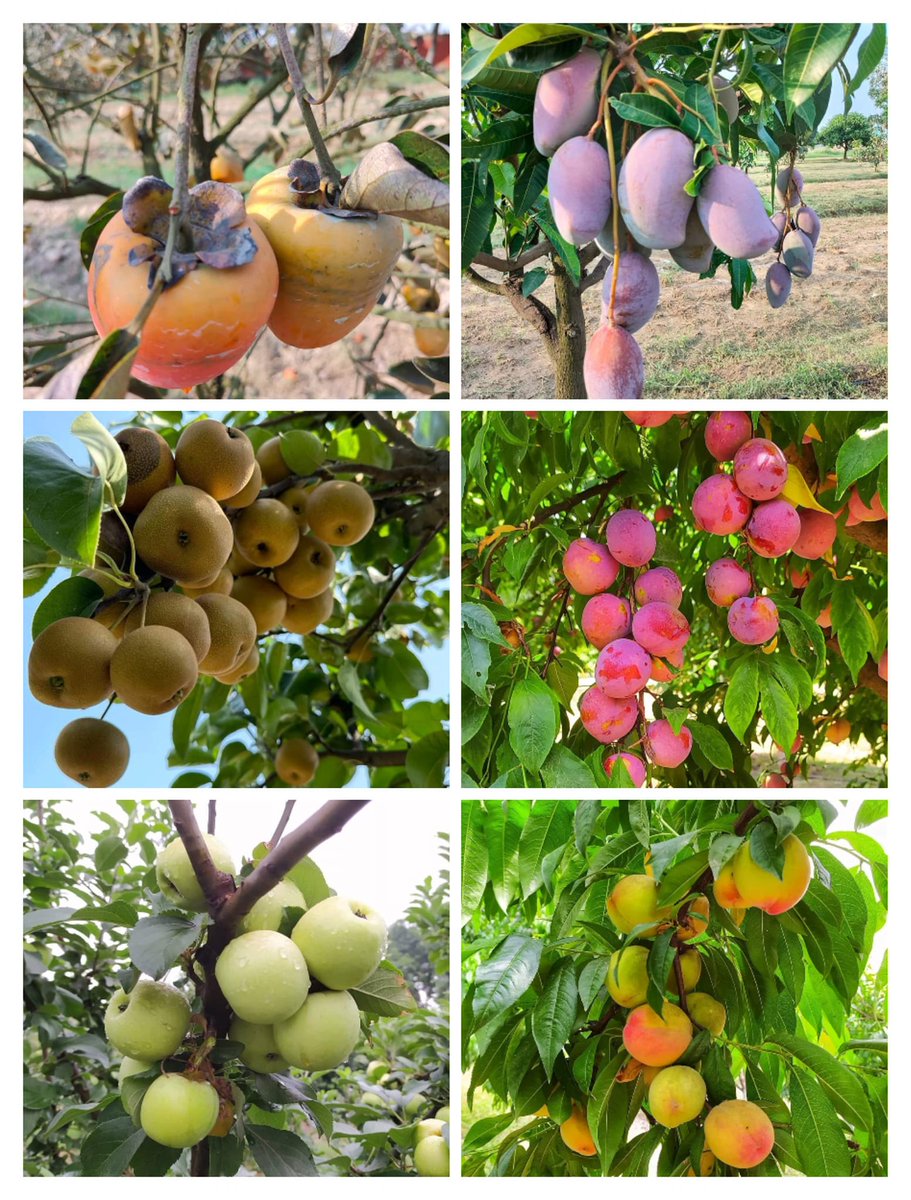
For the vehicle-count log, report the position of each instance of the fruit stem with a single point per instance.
(304, 100)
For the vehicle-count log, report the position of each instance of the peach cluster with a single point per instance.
(737, 1132)
(639, 636)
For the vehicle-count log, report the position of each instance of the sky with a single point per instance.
(356, 863)
(149, 737)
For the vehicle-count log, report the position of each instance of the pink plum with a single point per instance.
(605, 618)
(660, 583)
(664, 513)
(630, 537)
(660, 628)
(607, 719)
(774, 528)
(623, 668)
(753, 620)
(726, 432)
(589, 567)
(719, 506)
(760, 469)
(634, 765)
(824, 620)
(726, 581)
(817, 533)
(859, 511)
(666, 748)
(882, 667)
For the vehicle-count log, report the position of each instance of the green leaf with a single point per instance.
(105, 453)
(818, 1135)
(563, 769)
(712, 744)
(74, 597)
(506, 976)
(62, 502)
(811, 53)
(778, 709)
(840, 1083)
(532, 720)
(548, 827)
(480, 621)
(426, 760)
(475, 664)
(860, 455)
(474, 856)
(385, 993)
(554, 1014)
(742, 697)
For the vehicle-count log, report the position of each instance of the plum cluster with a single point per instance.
(798, 233)
(640, 636)
(656, 212)
(749, 501)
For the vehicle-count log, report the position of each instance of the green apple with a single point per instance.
(175, 875)
(149, 1023)
(322, 1033)
(431, 1156)
(342, 940)
(263, 976)
(442, 1114)
(376, 1070)
(260, 1051)
(414, 1105)
(372, 1100)
(131, 1095)
(268, 910)
(179, 1112)
(428, 1128)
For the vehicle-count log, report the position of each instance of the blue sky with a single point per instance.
(149, 737)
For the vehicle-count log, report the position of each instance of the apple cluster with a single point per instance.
(290, 997)
(640, 634)
(747, 500)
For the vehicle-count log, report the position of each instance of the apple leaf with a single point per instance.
(384, 993)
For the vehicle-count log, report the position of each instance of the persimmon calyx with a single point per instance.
(215, 216)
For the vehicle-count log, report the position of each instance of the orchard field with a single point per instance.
(830, 340)
(674, 988)
(674, 599)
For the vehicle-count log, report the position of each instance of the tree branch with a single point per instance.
(486, 285)
(216, 885)
(370, 758)
(511, 265)
(397, 580)
(325, 823)
(874, 534)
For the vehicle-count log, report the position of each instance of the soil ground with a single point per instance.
(347, 370)
(828, 341)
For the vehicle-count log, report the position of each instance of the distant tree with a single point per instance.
(878, 88)
(845, 130)
(873, 152)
